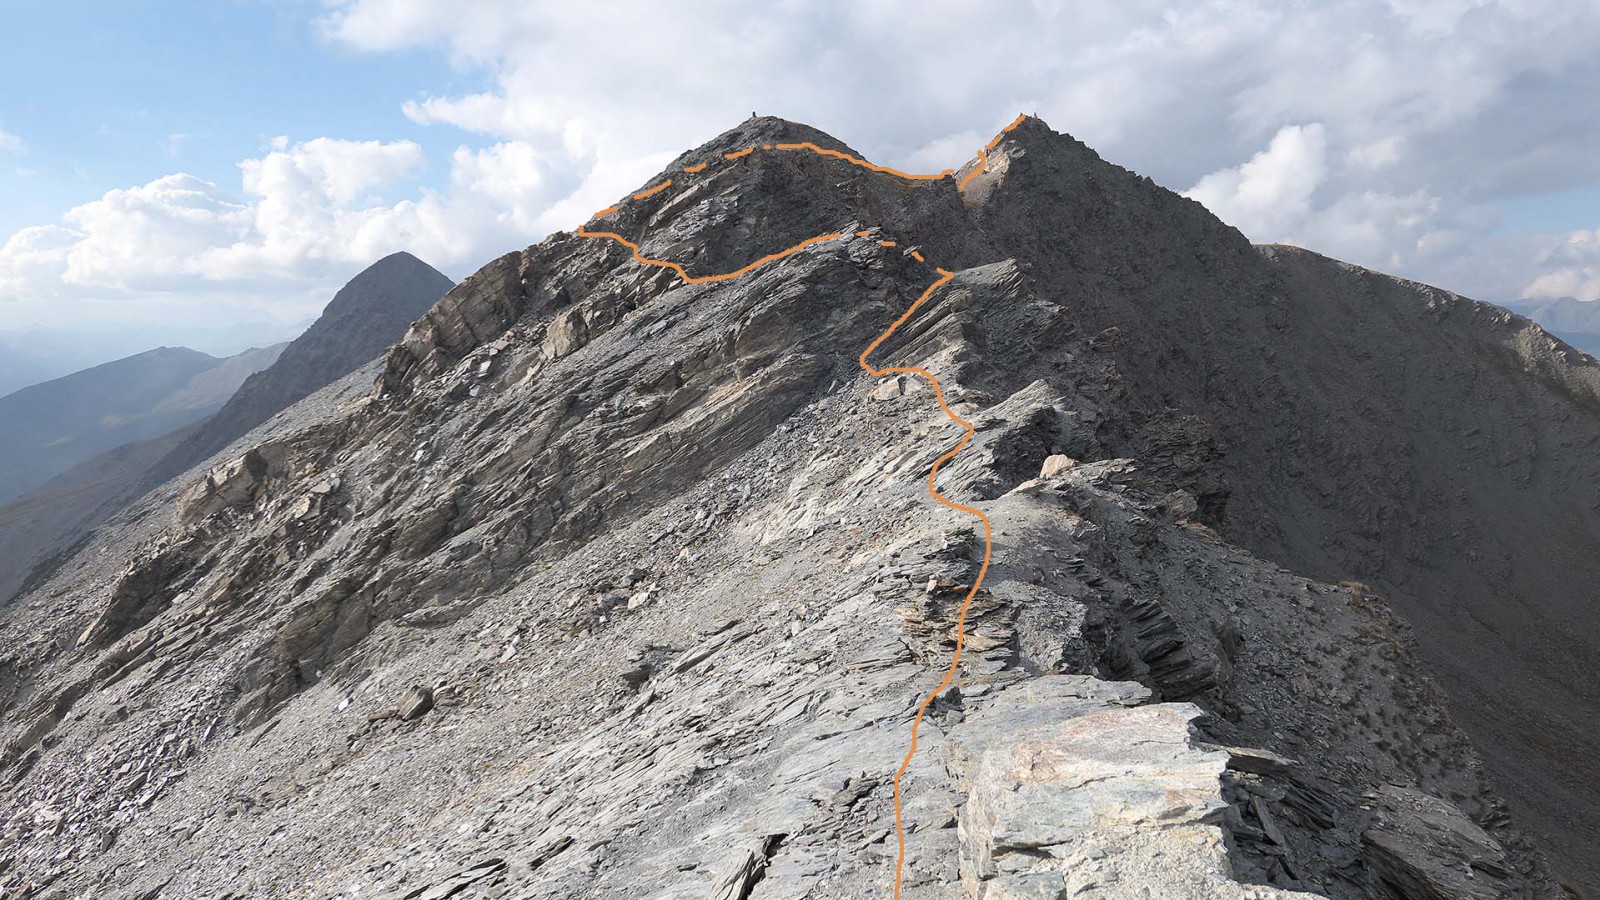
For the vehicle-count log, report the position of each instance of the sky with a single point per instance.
(207, 164)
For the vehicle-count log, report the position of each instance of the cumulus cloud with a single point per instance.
(298, 206)
(1572, 269)
(1381, 131)
(33, 257)
(1378, 130)
(303, 213)
(1274, 197)
(1271, 194)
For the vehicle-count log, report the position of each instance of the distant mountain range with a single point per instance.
(20, 367)
(362, 320)
(161, 412)
(30, 356)
(1273, 575)
(1575, 321)
(51, 427)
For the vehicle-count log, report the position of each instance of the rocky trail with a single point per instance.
(621, 582)
(932, 381)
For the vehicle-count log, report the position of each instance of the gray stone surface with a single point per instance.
(676, 589)
(216, 408)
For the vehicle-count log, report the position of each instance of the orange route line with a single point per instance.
(839, 154)
(655, 190)
(945, 276)
(706, 279)
(983, 157)
(605, 212)
(1021, 117)
(933, 491)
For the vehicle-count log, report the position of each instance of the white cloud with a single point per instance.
(146, 238)
(33, 256)
(1425, 111)
(304, 213)
(1382, 131)
(1572, 269)
(1271, 194)
(1274, 197)
(10, 143)
(1378, 154)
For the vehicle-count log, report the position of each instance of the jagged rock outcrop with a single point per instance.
(42, 529)
(359, 324)
(1575, 321)
(621, 585)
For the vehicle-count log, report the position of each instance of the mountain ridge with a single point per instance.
(1575, 321)
(356, 326)
(633, 581)
(40, 528)
(59, 423)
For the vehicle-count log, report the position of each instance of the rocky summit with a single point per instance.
(622, 581)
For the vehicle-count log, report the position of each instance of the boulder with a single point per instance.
(567, 333)
(234, 483)
(896, 386)
(1424, 848)
(1057, 464)
(417, 703)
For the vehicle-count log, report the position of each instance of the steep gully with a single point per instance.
(945, 276)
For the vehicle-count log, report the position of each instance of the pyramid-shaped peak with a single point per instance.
(768, 132)
(758, 132)
(399, 261)
(396, 278)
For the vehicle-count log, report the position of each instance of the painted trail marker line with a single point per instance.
(938, 391)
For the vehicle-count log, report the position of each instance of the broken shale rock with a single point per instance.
(687, 587)
(1110, 802)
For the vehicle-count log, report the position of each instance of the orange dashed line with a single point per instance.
(706, 279)
(699, 168)
(863, 234)
(983, 159)
(857, 161)
(945, 276)
(655, 190)
(1005, 131)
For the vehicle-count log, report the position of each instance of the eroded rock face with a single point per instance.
(233, 484)
(358, 325)
(1113, 802)
(673, 576)
(1423, 847)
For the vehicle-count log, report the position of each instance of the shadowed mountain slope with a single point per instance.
(40, 529)
(48, 428)
(358, 325)
(632, 584)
